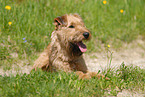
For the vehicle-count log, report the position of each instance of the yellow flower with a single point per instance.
(108, 45)
(121, 10)
(83, 0)
(104, 2)
(8, 7)
(10, 23)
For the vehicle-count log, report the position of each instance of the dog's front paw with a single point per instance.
(90, 75)
(96, 74)
(82, 75)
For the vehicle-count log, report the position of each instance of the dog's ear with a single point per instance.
(60, 21)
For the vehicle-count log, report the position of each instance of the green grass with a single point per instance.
(32, 24)
(33, 20)
(63, 84)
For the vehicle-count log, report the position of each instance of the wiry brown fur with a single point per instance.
(62, 53)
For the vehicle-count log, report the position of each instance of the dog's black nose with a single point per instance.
(86, 35)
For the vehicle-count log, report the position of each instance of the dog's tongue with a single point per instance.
(82, 46)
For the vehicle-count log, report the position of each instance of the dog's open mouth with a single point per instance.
(81, 46)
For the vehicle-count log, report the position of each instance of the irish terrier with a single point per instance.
(66, 47)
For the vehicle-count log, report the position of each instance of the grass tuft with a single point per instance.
(67, 84)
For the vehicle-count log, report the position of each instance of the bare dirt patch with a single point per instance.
(17, 68)
(130, 54)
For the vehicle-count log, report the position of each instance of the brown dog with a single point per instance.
(66, 47)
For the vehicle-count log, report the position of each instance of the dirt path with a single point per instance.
(133, 54)
(17, 69)
(130, 54)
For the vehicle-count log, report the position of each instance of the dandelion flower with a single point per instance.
(8, 7)
(104, 2)
(121, 11)
(10, 23)
(108, 45)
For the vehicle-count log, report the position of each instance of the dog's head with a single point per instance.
(71, 31)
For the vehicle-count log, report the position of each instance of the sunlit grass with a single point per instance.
(68, 85)
(108, 20)
(25, 29)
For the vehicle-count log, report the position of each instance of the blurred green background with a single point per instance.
(32, 24)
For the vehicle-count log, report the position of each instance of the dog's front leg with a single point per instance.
(81, 65)
(81, 68)
(83, 72)
(59, 65)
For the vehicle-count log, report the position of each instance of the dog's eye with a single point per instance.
(71, 26)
